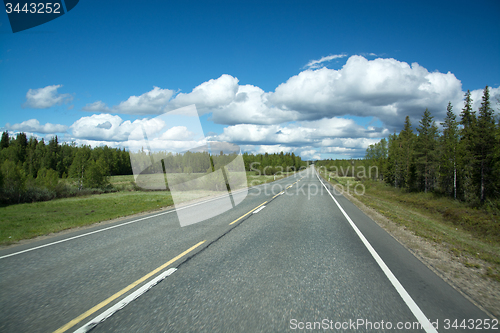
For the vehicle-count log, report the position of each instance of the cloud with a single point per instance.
(317, 63)
(98, 106)
(34, 125)
(321, 133)
(251, 106)
(387, 89)
(310, 154)
(106, 127)
(210, 95)
(151, 102)
(304, 114)
(112, 130)
(231, 103)
(44, 98)
(384, 88)
(178, 133)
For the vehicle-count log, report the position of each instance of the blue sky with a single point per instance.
(319, 78)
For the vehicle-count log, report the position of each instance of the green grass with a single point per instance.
(29, 220)
(464, 230)
(121, 180)
(254, 180)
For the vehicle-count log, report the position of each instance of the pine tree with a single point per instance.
(4, 143)
(393, 164)
(485, 144)
(407, 144)
(467, 151)
(376, 155)
(425, 152)
(449, 146)
(496, 162)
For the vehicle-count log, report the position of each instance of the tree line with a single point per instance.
(200, 162)
(461, 161)
(33, 170)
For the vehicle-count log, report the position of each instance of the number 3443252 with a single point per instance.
(34, 8)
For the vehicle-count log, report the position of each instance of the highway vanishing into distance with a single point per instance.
(293, 256)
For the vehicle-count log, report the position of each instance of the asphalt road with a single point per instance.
(273, 263)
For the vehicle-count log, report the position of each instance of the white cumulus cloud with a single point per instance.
(384, 88)
(106, 127)
(151, 102)
(210, 95)
(320, 133)
(44, 98)
(33, 125)
(250, 106)
(308, 114)
(178, 133)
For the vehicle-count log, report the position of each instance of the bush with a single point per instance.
(33, 194)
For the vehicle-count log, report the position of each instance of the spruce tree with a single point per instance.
(393, 165)
(448, 160)
(407, 143)
(425, 152)
(4, 143)
(496, 162)
(467, 151)
(485, 144)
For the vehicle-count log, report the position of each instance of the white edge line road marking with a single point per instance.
(120, 305)
(424, 321)
(258, 210)
(118, 225)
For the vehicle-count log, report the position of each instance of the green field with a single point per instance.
(29, 220)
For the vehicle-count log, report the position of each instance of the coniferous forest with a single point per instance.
(33, 170)
(461, 161)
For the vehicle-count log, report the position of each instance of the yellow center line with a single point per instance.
(239, 218)
(123, 291)
(277, 194)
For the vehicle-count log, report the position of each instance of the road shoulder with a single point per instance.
(484, 293)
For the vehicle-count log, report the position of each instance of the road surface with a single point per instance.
(293, 256)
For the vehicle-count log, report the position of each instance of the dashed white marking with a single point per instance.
(258, 210)
(424, 321)
(124, 302)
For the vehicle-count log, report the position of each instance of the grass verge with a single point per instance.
(28, 220)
